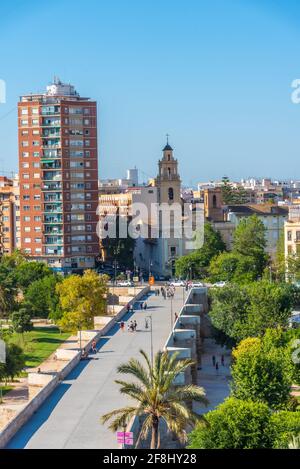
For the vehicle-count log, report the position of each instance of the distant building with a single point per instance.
(157, 255)
(9, 215)
(292, 232)
(58, 163)
(272, 216)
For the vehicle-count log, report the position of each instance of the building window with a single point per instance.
(289, 236)
(171, 193)
(214, 201)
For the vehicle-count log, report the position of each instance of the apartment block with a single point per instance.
(58, 166)
(9, 215)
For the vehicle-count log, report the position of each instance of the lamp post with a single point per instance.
(150, 265)
(151, 338)
(116, 252)
(171, 311)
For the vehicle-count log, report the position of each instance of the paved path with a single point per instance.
(215, 382)
(70, 417)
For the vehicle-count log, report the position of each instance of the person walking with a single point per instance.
(145, 305)
(122, 326)
(134, 325)
(94, 350)
(214, 360)
(222, 360)
(142, 304)
(217, 366)
(128, 307)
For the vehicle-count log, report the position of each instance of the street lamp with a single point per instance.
(171, 311)
(150, 265)
(151, 338)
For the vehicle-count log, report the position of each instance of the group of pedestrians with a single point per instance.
(144, 305)
(167, 292)
(216, 363)
(157, 291)
(131, 326)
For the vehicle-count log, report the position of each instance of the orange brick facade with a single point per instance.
(58, 170)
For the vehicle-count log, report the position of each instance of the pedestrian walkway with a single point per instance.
(70, 417)
(215, 382)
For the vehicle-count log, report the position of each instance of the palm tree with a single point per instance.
(157, 398)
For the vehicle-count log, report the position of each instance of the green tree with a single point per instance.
(283, 428)
(156, 398)
(233, 195)
(29, 272)
(195, 265)
(81, 298)
(15, 361)
(233, 267)
(263, 371)
(279, 263)
(21, 321)
(234, 424)
(240, 311)
(42, 296)
(249, 240)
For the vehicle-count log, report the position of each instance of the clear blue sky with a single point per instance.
(215, 74)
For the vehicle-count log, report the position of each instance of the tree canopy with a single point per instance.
(195, 265)
(263, 371)
(241, 311)
(81, 298)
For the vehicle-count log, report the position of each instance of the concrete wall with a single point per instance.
(22, 417)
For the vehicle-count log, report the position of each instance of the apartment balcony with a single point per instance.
(52, 124)
(54, 251)
(46, 134)
(51, 187)
(53, 230)
(52, 165)
(48, 220)
(45, 145)
(48, 177)
(52, 241)
(53, 210)
(51, 154)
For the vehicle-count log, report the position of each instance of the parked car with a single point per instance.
(125, 283)
(219, 284)
(177, 283)
(195, 284)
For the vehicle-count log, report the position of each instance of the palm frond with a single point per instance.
(135, 368)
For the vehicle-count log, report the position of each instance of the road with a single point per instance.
(70, 417)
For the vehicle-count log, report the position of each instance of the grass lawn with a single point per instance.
(39, 343)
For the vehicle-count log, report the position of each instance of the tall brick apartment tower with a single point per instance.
(58, 169)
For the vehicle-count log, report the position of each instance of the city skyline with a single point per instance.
(223, 95)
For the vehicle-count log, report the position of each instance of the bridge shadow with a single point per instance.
(27, 431)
